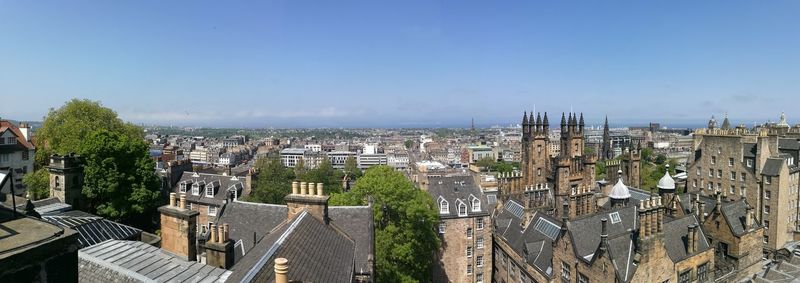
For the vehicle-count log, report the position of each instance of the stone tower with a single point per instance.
(535, 150)
(66, 178)
(574, 176)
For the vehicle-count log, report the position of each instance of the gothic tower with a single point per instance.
(607, 153)
(574, 176)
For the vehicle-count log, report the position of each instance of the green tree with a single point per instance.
(486, 162)
(409, 143)
(405, 220)
(351, 167)
(38, 184)
(647, 154)
(661, 158)
(600, 170)
(503, 167)
(273, 182)
(326, 174)
(119, 182)
(300, 168)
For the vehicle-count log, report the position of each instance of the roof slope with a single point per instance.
(357, 222)
(94, 229)
(248, 221)
(117, 260)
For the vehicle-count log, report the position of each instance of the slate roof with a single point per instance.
(675, 233)
(786, 143)
(248, 220)
(457, 189)
(735, 214)
(773, 166)
(686, 202)
(221, 184)
(93, 229)
(586, 231)
(750, 149)
(316, 253)
(528, 242)
(118, 259)
(357, 222)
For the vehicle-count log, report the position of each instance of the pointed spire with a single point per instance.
(546, 123)
(712, 123)
(538, 119)
(563, 121)
(605, 126)
(525, 118)
(725, 123)
(580, 123)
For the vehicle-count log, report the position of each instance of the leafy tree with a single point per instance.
(38, 184)
(408, 143)
(64, 129)
(273, 182)
(486, 162)
(351, 167)
(326, 174)
(661, 158)
(600, 170)
(300, 168)
(647, 154)
(405, 219)
(503, 167)
(119, 182)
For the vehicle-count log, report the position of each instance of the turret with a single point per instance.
(563, 124)
(538, 123)
(545, 124)
(581, 124)
(525, 124)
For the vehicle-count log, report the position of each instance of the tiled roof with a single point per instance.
(125, 261)
(456, 190)
(248, 221)
(6, 125)
(735, 214)
(221, 185)
(773, 166)
(675, 233)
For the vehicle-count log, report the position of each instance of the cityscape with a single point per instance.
(411, 141)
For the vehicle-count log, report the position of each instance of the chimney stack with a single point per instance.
(311, 200)
(281, 270)
(172, 201)
(178, 229)
(295, 188)
(701, 212)
(604, 235)
(691, 239)
(749, 219)
(219, 248)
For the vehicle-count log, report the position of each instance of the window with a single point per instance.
(713, 160)
(694, 183)
(719, 186)
(766, 224)
(469, 268)
(732, 190)
(4, 157)
(564, 272)
(749, 163)
(766, 239)
(768, 180)
(766, 209)
(469, 233)
(733, 176)
(582, 278)
(210, 191)
(685, 277)
(196, 189)
(479, 261)
(698, 171)
(2, 141)
(710, 186)
(442, 227)
(25, 155)
(730, 161)
(11, 140)
(462, 209)
(469, 251)
(743, 177)
(183, 187)
(479, 278)
(479, 223)
(476, 204)
(743, 191)
(711, 172)
(719, 173)
(539, 172)
(212, 211)
(479, 243)
(614, 217)
(767, 194)
(444, 207)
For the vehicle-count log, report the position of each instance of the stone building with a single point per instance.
(66, 178)
(465, 230)
(759, 165)
(16, 151)
(208, 193)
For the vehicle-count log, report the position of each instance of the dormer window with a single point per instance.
(462, 209)
(444, 207)
(196, 189)
(476, 203)
(183, 187)
(210, 190)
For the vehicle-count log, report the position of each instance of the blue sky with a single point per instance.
(401, 63)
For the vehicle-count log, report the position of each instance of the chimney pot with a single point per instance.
(281, 270)
(183, 201)
(295, 188)
(319, 189)
(172, 200)
(303, 188)
(213, 238)
(312, 189)
(226, 233)
(691, 239)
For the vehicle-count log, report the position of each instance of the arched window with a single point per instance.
(462, 209)
(476, 205)
(444, 207)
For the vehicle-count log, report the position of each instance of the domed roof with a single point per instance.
(620, 190)
(666, 182)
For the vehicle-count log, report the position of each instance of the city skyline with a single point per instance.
(417, 63)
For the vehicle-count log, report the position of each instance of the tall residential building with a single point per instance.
(465, 230)
(759, 165)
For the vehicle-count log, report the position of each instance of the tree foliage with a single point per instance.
(326, 174)
(273, 181)
(119, 179)
(37, 183)
(351, 167)
(405, 220)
